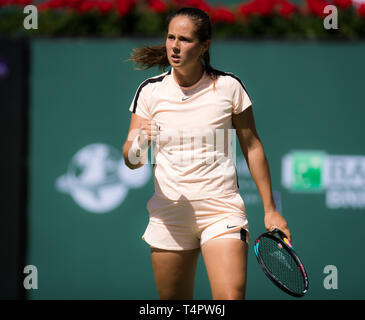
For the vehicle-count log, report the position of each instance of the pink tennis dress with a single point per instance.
(196, 194)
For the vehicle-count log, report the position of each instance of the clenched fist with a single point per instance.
(148, 132)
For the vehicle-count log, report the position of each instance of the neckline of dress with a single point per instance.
(190, 87)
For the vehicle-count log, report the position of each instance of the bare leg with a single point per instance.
(226, 263)
(174, 273)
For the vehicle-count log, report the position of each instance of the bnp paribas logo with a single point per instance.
(304, 171)
(340, 177)
(98, 180)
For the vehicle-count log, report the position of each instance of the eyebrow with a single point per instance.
(181, 37)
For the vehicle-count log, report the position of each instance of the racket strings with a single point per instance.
(281, 264)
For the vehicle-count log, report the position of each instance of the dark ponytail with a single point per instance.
(150, 56)
(213, 73)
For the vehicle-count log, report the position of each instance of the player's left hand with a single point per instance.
(274, 220)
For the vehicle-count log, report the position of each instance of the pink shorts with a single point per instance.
(188, 224)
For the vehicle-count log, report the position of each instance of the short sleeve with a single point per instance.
(139, 105)
(240, 100)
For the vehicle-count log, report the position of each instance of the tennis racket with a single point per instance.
(280, 263)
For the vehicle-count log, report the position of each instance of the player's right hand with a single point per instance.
(148, 132)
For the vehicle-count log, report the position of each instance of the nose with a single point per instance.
(176, 46)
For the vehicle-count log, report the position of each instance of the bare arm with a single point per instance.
(257, 163)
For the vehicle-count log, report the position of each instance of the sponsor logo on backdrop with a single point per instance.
(340, 177)
(98, 180)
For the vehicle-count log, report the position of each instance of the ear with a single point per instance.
(206, 45)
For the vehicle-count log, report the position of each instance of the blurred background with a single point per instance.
(73, 214)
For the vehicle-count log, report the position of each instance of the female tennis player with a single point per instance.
(196, 205)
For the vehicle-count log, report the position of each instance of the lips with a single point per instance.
(175, 56)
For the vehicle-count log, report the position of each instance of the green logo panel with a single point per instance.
(308, 171)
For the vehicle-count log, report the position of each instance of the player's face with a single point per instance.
(183, 47)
